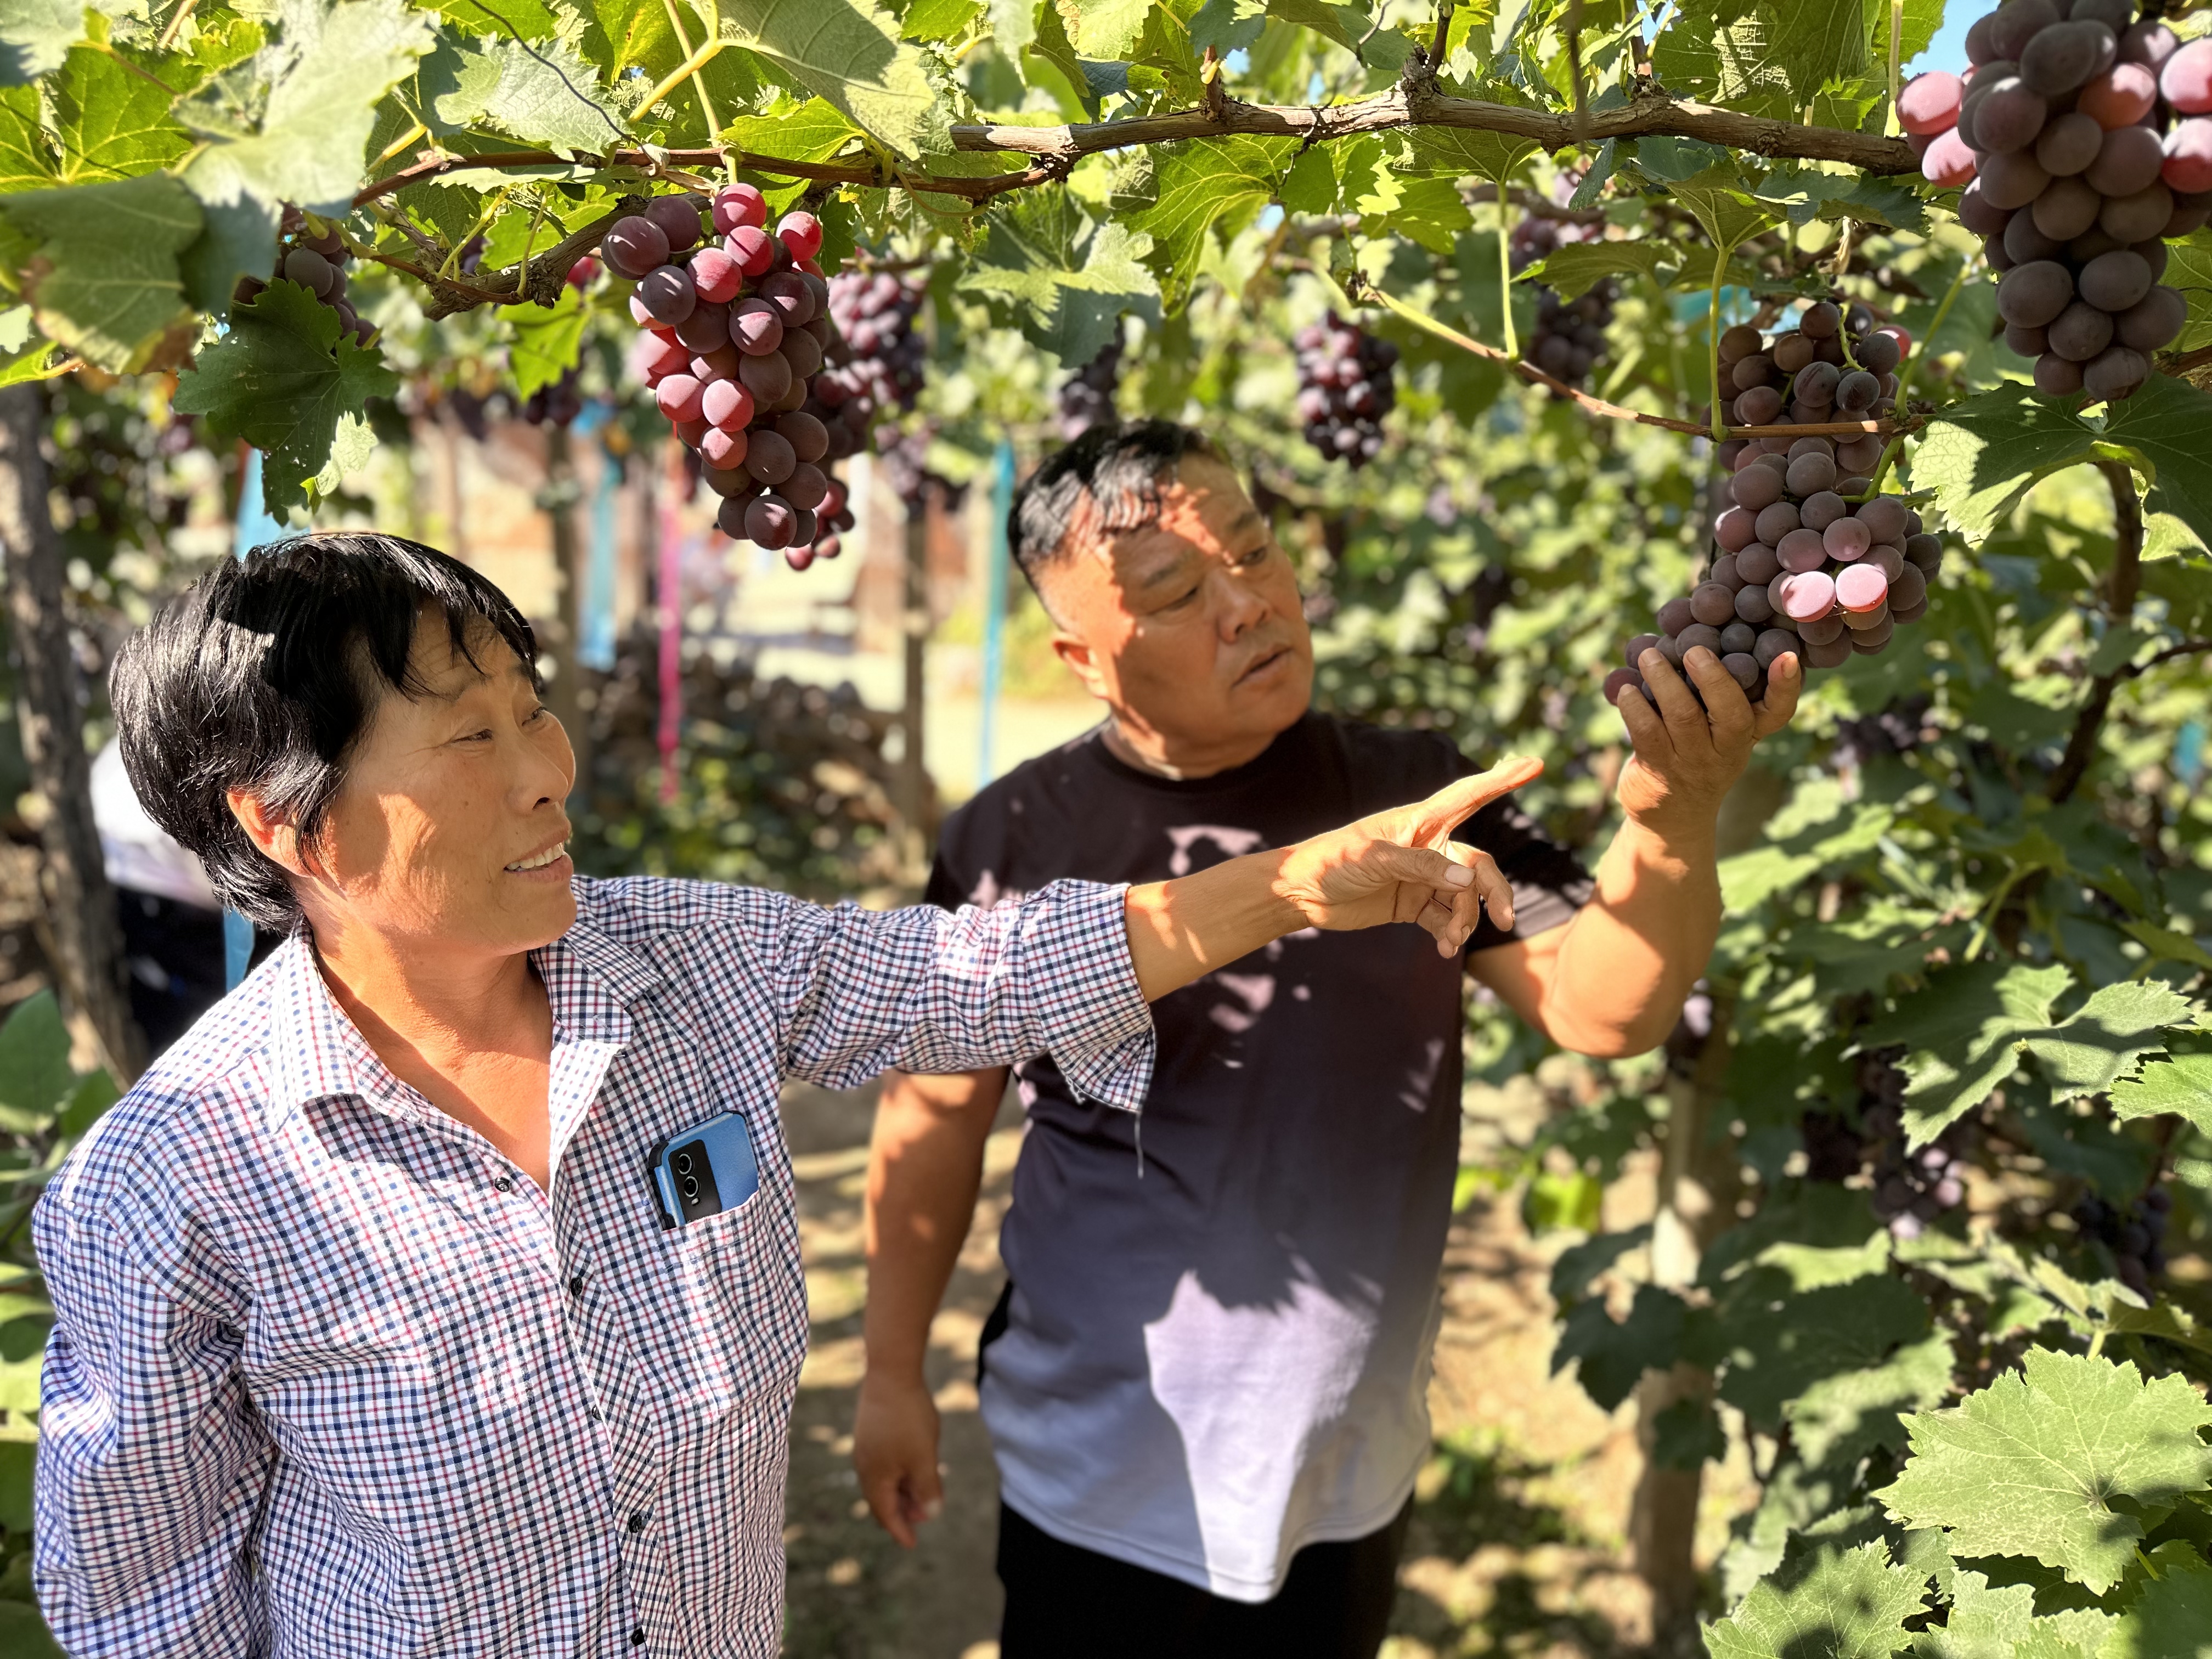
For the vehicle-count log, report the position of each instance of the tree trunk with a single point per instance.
(81, 919)
(913, 778)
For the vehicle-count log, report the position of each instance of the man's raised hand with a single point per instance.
(1401, 865)
(1688, 758)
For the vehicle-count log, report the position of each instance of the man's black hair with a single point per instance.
(263, 677)
(1119, 468)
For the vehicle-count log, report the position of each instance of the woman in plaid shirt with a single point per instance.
(371, 1339)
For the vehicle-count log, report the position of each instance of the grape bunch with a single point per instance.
(311, 252)
(1086, 397)
(875, 368)
(2136, 1235)
(1895, 729)
(1345, 389)
(558, 404)
(1807, 561)
(1569, 337)
(2082, 136)
(1909, 1189)
(735, 332)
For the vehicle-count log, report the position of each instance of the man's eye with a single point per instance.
(536, 714)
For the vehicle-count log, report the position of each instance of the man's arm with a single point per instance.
(1613, 980)
(925, 1164)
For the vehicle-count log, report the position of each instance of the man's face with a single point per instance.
(1190, 628)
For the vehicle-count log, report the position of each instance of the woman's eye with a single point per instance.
(536, 714)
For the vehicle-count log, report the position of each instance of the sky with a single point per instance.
(1948, 51)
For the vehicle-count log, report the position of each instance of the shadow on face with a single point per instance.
(1189, 627)
(448, 831)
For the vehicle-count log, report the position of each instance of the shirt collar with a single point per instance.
(315, 1050)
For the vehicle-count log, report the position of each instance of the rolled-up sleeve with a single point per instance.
(857, 991)
(150, 1462)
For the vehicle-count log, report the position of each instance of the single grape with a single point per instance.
(1791, 352)
(678, 397)
(1802, 550)
(1735, 528)
(808, 437)
(801, 352)
(1754, 604)
(2062, 58)
(2032, 293)
(2081, 332)
(1884, 518)
(1698, 635)
(2114, 373)
(1758, 406)
(635, 246)
(1756, 370)
(1638, 646)
(770, 520)
(678, 219)
(2027, 342)
(2018, 21)
(1738, 637)
(1809, 473)
(1924, 551)
(768, 378)
(310, 270)
(2057, 376)
(2153, 321)
(2113, 282)
(737, 204)
(1856, 392)
(2139, 217)
(2128, 160)
(1738, 343)
(1723, 572)
(1674, 616)
(2149, 43)
(1755, 487)
(1822, 508)
(2187, 164)
(1620, 680)
(2066, 146)
(715, 275)
(1979, 50)
(1772, 524)
(1743, 667)
(2114, 15)
(2120, 97)
(1907, 588)
(755, 329)
(2186, 79)
(1821, 630)
(1758, 565)
(2006, 120)
(1712, 602)
(1816, 385)
(1976, 214)
(1930, 103)
(1847, 540)
(668, 296)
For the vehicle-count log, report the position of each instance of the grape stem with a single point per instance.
(1361, 289)
(1505, 269)
(1721, 253)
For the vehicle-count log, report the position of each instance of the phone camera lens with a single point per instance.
(682, 1162)
(690, 1190)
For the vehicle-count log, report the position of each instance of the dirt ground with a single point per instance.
(1517, 1542)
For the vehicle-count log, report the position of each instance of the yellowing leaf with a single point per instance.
(110, 289)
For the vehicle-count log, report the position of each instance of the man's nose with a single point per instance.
(1241, 606)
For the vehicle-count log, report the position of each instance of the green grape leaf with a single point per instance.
(1775, 1343)
(1064, 284)
(1228, 26)
(1922, 18)
(808, 130)
(2180, 1083)
(1805, 193)
(281, 379)
(1993, 1624)
(26, 152)
(1193, 188)
(35, 35)
(112, 124)
(1352, 27)
(35, 1077)
(1840, 1420)
(2169, 422)
(1581, 1263)
(2189, 268)
(109, 289)
(94, 1094)
(1981, 456)
(2172, 1617)
(542, 94)
(24, 1634)
(1611, 1356)
(1763, 56)
(1849, 1606)
(335, 63)
(1108, 30)
(2036, 1463)
(939, 20)
(1687, 1434)
(848, 51)
(1964, 1032)
(1718, 199)
(237, 236)
(547, 343)
(1578, 267)
(1428, 211)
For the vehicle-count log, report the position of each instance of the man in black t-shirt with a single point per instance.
(1205, 1382)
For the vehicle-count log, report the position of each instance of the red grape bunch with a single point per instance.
(311, 252)
(1807, 562)
(560, 403)
(735, 332)
(876, 369)
(1086, 397)
(1345, 389)
(1909, 1189)
(2083, 138)
(1569, 337)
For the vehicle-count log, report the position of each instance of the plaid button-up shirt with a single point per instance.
(331, 1377)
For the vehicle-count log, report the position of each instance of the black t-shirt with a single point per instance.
(1299, 1151)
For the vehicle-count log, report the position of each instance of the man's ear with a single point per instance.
(274, 835)
(1082, 661)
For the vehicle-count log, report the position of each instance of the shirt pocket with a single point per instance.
(745, 1292)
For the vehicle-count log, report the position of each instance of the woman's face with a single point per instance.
(449, 830)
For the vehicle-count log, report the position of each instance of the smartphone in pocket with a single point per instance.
(704, 1170)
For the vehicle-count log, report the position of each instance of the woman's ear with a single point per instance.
(275, 836)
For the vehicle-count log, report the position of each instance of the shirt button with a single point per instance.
(576, 1285)
(637, 1521)
(503, 1184)
(595, 1413)
(637, 1636)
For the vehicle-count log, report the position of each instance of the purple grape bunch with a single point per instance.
(734, 332)
(2090, 133)
(1807, 560)
(1909, 1189)
(1086, 397)
(877, 371)
(2135, 1234)
(1345, 389)
(557, 404)
(311, 252)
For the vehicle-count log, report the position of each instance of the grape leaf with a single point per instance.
(112, 124)
(1611, 1356)
(1980, 456)
(334, 63)
(2032, 1465)
(2172, 1617)
(1776, 1344)
(2169, 422)
(1193, 186)
(27, 154)
(1766, 57)
(1686, 1434)
(110, 289)
(2180, 1083)
(1804, 193)
(1228, 26)
(1576, 268)
(281, 379)
(849, 52)
(2189, 268)
(1840, 1418)
(35, 1076)
(1718, 198)
(1922, 18)
(939, 20)
(1991, 1624)
(1964, 1033)
(1063, 281)
(240, 235)
(547, 343)
(542, 93)
(1579, 1264)
(1108, 30)
(35, 35)
(1849, 1606)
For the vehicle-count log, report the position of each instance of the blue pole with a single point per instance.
(255, 527)
(596, 649)
(995, 606)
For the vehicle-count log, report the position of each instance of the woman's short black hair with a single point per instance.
(263, 676)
